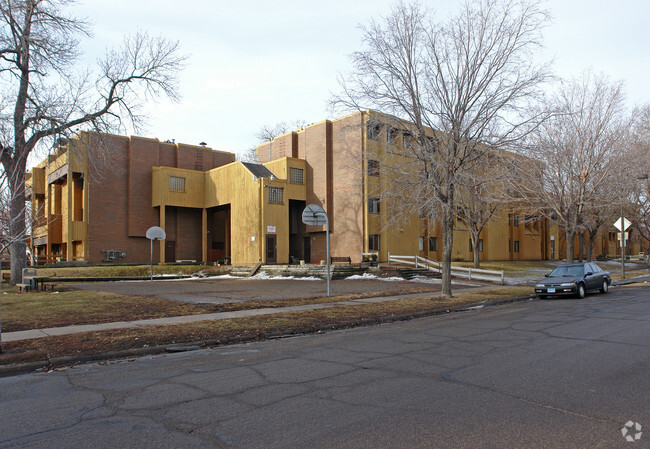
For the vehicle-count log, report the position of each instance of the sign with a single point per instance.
(622, 224)
(622, 235)
(314, 215)
(270, 229)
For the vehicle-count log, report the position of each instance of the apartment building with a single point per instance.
(95, 197)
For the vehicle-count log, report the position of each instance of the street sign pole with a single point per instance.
(622, 224)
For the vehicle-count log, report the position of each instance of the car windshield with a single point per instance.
(570, 271)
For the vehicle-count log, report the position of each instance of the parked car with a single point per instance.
(574, 279)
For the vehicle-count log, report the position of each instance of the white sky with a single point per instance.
(255, 63)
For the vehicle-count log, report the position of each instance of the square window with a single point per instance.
(433, 243)
(176, 184)
(373, 130)
(276, 195)
(296, 175)
(373, 167)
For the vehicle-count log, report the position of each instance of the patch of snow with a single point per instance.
(367, 276)
(263, 275)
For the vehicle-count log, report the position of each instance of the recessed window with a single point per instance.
(176, 184)
(433, 243)
(373, 167)
(420, 243)
(373, 131)
(516, 246)
(373, 205)
(276, 195)
(296, 175)
(515, 221)
(393, 133)
(373, 242)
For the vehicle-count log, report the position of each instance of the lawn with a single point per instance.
(207, 332)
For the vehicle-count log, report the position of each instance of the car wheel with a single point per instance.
(581, 291)
(605, 286)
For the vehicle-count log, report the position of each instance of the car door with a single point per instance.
(594, 280)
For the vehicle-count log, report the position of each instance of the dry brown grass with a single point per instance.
(221, 331)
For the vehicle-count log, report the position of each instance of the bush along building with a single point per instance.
(95, 197)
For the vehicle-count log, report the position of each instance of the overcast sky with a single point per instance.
(255, 63)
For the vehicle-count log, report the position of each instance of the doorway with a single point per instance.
(271, 248)
(307, 250)
(170, 251)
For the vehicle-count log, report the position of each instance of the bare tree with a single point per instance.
(44, 99)
(579, 148)
(471, 78)
(640, 145)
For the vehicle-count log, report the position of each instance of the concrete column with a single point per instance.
(69, 250)
(162, 242)
(204, 232)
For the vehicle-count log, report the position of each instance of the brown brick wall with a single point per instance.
(120, 210)
(143, 154)
(285, 145)
(347, 197)
(108, 204)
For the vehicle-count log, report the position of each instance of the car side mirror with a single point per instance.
(546, 275)
(589, 273)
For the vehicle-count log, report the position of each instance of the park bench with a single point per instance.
(347, 260)
(23, 288)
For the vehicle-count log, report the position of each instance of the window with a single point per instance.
(516, 246)
(480, 245)
(373, 205)
(420, 243)
(407, 139)
(276, 195)
(392, 135)
(515, 221)
(433, 243)
(373, 242)
(176, 184)
(296, 175)
(373, 168)
(373, 131)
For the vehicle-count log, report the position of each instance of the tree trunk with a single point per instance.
(590, 245)
(475, 250)
(17, 224)
(570, 237)
(447, 246)
(581, 245)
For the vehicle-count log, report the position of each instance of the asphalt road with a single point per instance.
(540, 374)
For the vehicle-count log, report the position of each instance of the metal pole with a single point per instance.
(327, 228)
(151, 259)
(622, 240)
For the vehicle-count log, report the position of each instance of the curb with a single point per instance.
(58, 362)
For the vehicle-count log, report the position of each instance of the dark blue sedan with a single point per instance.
(574, 279)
